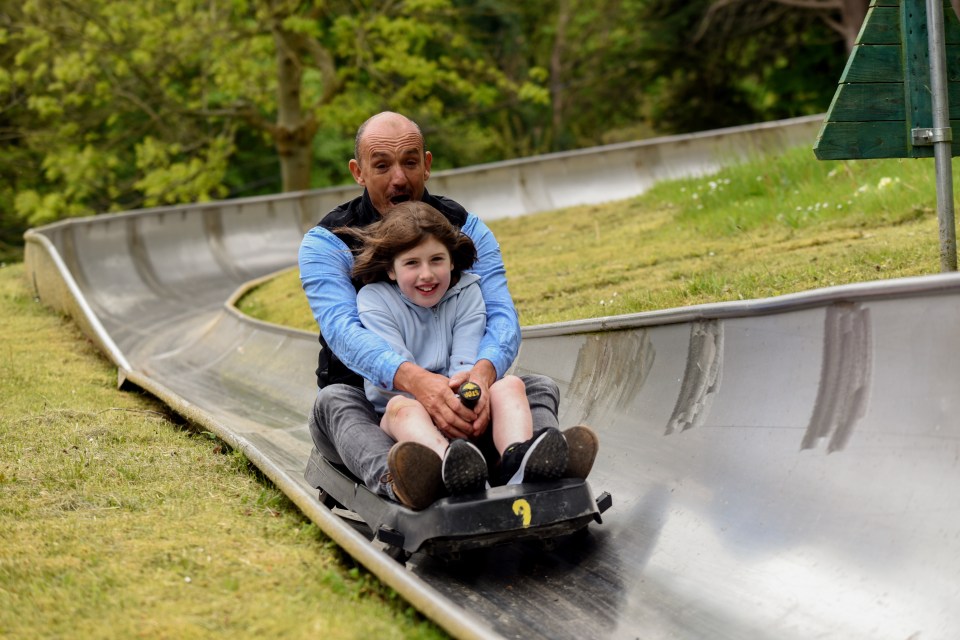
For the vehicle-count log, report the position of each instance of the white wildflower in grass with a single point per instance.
(712, 185)
(832, 173)
(839, 206)
(884, 183)
(696, 196)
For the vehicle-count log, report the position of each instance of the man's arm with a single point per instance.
(501, 340)
(325, 266)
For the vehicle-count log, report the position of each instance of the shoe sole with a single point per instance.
(416, 474)
(545, 460)
(582, 443)
(464, 468)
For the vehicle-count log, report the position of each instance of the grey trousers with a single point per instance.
(346, 430)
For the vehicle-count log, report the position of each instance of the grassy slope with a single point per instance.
(770, 227)
(118, 521)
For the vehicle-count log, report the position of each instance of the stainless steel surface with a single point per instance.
(783, 468)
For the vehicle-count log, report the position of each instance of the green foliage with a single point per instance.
(111, 105)
(116, 104)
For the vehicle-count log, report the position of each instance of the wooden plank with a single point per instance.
(874, 63)
(856, 140)
(952, 52)
(881, 26)
(879, 101)
(883, 63)
(916, 62)
(849, 140)
(865, 102)
(951, 25)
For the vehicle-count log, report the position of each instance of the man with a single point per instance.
(392, 166)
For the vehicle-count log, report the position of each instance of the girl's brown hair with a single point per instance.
(402, 228)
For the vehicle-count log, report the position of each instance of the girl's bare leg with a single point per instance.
(406, 420)
(512, 421)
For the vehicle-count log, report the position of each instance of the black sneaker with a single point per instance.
(464, 468)
(542, 457)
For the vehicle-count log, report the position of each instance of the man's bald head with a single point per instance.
(390, 118)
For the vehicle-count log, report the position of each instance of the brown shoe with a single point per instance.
(582, 445)
(415, 474)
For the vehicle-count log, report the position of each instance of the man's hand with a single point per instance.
(437, 396)
(484, 374)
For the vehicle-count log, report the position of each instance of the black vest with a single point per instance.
(360, 212)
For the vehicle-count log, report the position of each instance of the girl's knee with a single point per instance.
(400, 406)
(509, 384)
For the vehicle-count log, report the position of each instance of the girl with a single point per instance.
(419, 298)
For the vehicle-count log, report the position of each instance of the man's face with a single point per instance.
(392, 166)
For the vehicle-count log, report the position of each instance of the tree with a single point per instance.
(129, 104)
(585, 54)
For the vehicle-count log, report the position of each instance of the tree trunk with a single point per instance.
(293, 132)
(557, 76)
(852, 14)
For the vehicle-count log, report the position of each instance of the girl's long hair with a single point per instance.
(402, 228)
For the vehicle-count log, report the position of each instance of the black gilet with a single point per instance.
(360, 212)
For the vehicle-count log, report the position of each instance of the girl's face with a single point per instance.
(423, 273)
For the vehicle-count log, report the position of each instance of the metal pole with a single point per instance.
(942, 136)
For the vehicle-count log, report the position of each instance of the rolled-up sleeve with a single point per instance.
(501, 340)
(325, 266)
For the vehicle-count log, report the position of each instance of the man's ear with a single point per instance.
(355, 170)
(427, 161)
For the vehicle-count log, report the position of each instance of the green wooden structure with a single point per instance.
(884, 96)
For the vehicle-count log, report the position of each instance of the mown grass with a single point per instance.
(117, 520)
(773, 226)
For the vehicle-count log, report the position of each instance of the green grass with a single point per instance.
(764, 228)
(119, 521)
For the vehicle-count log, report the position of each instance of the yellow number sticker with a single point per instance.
(522, 508)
